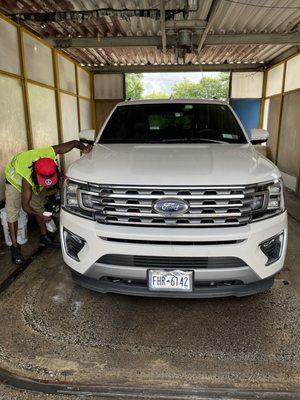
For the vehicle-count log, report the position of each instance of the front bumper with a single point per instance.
(252, 278)
(104, 286)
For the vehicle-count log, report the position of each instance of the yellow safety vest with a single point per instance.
(20, 167)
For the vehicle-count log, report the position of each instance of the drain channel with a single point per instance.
(19, 270)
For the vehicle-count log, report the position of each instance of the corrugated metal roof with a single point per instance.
(209, 55)
(234, 16)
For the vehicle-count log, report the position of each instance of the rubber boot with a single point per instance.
(16, 256)
(47, 241)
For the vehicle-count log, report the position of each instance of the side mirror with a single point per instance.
(87, 136)
(259, 136)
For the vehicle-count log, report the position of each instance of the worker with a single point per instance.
(27, 176)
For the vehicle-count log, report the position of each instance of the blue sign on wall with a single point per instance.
(248, 112)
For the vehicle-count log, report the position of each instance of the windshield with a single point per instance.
(172, 123)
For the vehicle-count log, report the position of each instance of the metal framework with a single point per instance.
(163, 26)
(163, 32)
(285, 55)
(214, 8)
(177, 68)
(156, 41)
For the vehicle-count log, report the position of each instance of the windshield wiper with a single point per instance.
(178, 140)
(192, 140)
(208, 141)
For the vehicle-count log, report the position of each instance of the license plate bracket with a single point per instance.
(170, 280)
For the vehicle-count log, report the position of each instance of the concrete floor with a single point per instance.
(8, 393)
(28, 250)
(51, 329)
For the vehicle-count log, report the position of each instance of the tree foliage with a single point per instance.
(207, 88)
(156, 95)
(134, 86)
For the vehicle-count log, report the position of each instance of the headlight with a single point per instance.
(74, 198)
(276, 198)
(268, 200)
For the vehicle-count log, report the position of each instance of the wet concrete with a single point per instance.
(30, 248)
(9, 393)
(51, 329)
(293, 203)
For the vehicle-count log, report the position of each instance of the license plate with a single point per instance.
(177, 281)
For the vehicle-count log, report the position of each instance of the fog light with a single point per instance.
(73, 244)
(272, 248)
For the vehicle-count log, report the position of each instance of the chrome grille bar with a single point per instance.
(170, 223)
(133, 205)
(190, 215)
(173, 188)
(189, 197)
(192, 205)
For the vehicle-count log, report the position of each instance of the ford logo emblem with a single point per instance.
(170, 207)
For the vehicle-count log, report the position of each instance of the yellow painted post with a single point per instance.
(280, 112)
(25, 89)
(57, 95)
(58, 103)
(263, 98)
(77, 97)
(92, 101)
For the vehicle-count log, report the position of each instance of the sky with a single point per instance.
(162, 82)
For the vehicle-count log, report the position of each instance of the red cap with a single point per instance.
(46, 172)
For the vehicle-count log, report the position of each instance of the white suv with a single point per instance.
(174, 201)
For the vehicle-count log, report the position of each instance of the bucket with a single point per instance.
(22, 227)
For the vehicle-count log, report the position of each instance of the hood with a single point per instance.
(173, 164)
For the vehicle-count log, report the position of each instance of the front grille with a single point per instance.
(207, 206)
(171, 262)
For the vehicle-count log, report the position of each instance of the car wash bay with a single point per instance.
(61, 71)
